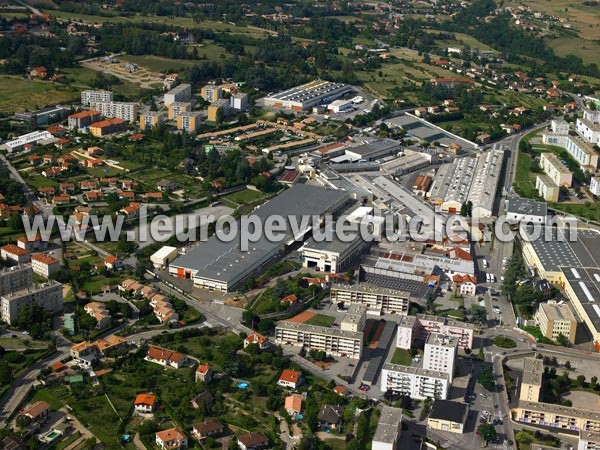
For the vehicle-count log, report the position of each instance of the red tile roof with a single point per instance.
(145, 399)
(290, 376)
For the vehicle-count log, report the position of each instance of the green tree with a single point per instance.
(487, 432)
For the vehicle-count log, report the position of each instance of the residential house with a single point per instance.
(39, 72)
(37, 411)
(131, 211)
(330, 416)
(35, 243)
(293, 404)
(465, 284)
(204, 373)
(113, 263)
(166, 358)
(166, 185)
(144, 404)
(253, 441)
(98, 311)
(342, 391)
(258, 339)
(204, 398)
(290, 379)
(172, 439)
(207, 428)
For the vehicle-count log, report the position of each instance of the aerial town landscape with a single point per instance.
(311, 225)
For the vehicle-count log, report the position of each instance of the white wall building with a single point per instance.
(388, 429)
(595, 185)
(90, 96)
(48, 296)
(118, 110)
(180, 93)
(377, 299)
(555, 169)
(559, 126)
(239, 101)
(415, 382)
(440, 354)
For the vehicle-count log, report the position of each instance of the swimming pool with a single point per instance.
(242, 385)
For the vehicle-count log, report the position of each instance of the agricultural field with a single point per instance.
(18, 94)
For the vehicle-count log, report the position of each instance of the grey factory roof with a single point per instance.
(404, 198)
(585, 282)
(417, 289)
(452, 182)
(518, 205)
(332, 244)
(449, 410)
(226, 262)
(427, 131)
(375, 146)
(308, 91)
(388, 428)
(486, 177)
(555, 248)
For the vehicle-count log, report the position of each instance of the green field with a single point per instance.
(402, 357)
(158, 63)
(18, 94)
(245, 196)
(321, 320)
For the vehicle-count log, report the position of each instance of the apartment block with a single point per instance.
(117, 110)
(557, 417)
(556, 170)
(176, 108)
(189, 121)
(559, 126)
(150, 119)
(595, 185)
(180, 93)
(389, 429)
(555, 319)
(15, 279)
(414, 382)
(48, 296)
(239, 101)
(211, 93)
(547, 189)
(87, 97)
(44, 265)
(83, 119)
(355, 318)
(440, 354)
(412, 329)
(588, 441)
(531, 383)
(333, 341)
(108, 126)
(377, 299)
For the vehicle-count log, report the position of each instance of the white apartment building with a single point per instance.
(180, 93)
(87, 97)
(419, 327)
(44, 265)
(389, 428)
(333, 341)
(588, 441)
(14, 279)
(377, 299)
(555, 169)
(355, 318)
(48, 295)
(440, 354)
(559, 126)
(595, 185)
(590, 131)
(547, 189)
(118, 110)
(415, 382)
(239, 101)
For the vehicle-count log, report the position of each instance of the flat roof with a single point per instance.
(533, 369)
(369, 288)
(561, 410)
(556, 311)
(449, 410)
(416, 288)
(370, 147)
(309, 91)
(226, 262)
(389, 426)
(519, 205)
(589, 436)
(555, 162)
(315, 329)
(443, 340)
(410, 370)
(585, 282)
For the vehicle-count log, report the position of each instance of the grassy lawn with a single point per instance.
(57, 396)
(402, 357)
(158, 63)
(245, 196)
(18, 94)
(321, 320)
(19, 344)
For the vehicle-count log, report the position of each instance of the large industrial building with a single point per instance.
(333, 341)
(223, 266)
(315, 93)
(377, 299)
(570, 262)
(468, 179)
